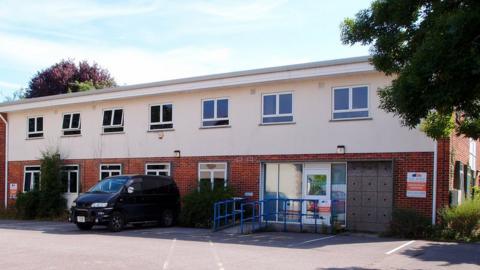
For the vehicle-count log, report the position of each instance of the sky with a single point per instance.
(152, 40)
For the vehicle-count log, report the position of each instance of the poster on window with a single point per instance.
(12, 194)
(417, 184)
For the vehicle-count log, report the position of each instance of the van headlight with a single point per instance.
(99, 204)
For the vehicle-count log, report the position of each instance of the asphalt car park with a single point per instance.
(59, 245)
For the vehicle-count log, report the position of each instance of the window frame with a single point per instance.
(472, 153)
(70, 124)
(150, 123)
(277, 108)
(212, 179)
(77, 170)
(122, 125)
(32, 185)
(169, 171)
(109, 164)
(42, 132)
(215, 118)
(350, 102)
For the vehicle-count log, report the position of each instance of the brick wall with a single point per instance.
(244, 171)
(2, 160)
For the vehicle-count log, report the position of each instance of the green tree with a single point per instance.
(432, 49)
(51, 201)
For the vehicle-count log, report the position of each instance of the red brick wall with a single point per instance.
(2, 161)
(244, 171)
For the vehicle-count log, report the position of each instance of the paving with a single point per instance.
(57, 245)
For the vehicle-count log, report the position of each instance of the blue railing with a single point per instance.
(226, 213)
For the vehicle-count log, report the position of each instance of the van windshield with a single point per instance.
(109, 185)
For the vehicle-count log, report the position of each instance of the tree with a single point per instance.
(66, 77)
(432, 49)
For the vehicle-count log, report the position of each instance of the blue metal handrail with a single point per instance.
(225, 213)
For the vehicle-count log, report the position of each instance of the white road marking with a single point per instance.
(399, 247)
(215, 255)
(170, 251)
(311, 241)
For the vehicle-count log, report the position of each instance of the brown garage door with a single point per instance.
(369, 195)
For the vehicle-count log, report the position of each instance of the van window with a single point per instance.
(137, 185)
(155, 185)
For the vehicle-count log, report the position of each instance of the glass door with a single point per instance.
(316, 183)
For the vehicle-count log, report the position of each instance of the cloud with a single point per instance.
(9, 85)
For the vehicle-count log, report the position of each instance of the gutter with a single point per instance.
(434, 186)
(6, 159)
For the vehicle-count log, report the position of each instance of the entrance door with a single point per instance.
(316, 183)
(70, 183)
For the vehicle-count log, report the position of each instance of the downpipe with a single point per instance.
(434, 184)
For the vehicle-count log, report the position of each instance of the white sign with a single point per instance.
(12, 194)
(417, 184)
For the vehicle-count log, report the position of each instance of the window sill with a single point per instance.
(277, 124)
(161, 130)
(224, 126)
(34, 138)
(74, 135)
(351, 119)
(112, 133)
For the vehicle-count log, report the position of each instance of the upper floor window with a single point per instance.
(277, 108)
(215, 112)
(31, 178)
(212, 175)
(161, 116)
(71, 124)
(112, 120)
(107, 170)
(157, 169)
(350, 102)
(35, 127)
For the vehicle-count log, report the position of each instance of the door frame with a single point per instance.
(323, 169)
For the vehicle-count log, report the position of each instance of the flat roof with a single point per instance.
(12, 106)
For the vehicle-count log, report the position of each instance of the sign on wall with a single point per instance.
(12, 194)
(417, 184)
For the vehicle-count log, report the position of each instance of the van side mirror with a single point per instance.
(130, 190)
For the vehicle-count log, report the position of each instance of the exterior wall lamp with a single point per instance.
(340, 149)
(177, 153)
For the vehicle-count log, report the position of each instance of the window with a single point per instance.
(350, 102)
(31, 178)
(161, 116)
(107, 170)
(157, 169)
(212, 175)
(71, 124)
(35, 127)
(472, 161)
(215, 112)
(113, 120)
(70, 178)
(277, 108)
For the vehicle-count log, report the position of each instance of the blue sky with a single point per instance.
(145, 41)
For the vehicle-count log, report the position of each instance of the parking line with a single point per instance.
(311, 241)
(167, 260)
(215, 255)
(399, 247)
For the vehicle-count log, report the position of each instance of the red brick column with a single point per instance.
(2, 160)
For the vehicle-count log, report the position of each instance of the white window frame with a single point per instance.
(70, 124)
(215, 118)
(350, 102)
(212, 172)
(111, 120)
(109, 171)
(32, 185)
(35, 125)
(277, 108)
(168, 171)
(78, 176)
(161, 117)
(472, 157)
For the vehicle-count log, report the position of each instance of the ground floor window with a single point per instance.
(31, 178)
(107, 170)
(212, 174)
(157, 169)
(70, 178)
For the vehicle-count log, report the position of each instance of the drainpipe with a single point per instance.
(434, 191)
(6, 159)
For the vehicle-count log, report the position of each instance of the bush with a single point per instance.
(197, 206)
(461, 222)
(408, 223)
(27, 204)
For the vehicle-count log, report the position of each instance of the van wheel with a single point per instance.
(84, 226)
(167, 219)
(117, 222)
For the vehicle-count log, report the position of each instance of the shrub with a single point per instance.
(197, 206)
(27, 204)
(461, 222)
(408, 223)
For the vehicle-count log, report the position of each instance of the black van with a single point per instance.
(119, 200)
